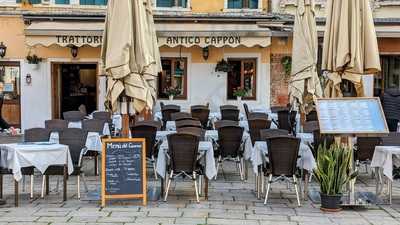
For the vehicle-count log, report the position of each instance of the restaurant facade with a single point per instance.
(208, 50)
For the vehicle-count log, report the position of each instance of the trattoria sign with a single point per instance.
(79, 40)
(217, 41)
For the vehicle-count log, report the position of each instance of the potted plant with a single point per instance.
(239, 93)
(172, 92)
(34, 60)
(333, 173)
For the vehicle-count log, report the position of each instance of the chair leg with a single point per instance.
(200, 185)
(43, 185)
(268, 188)
(79, 186)
(168, 186)
(196, 188)
(16, 193)
(239, 164)
(32, 183)
(96, 167)
(262, 183)
(84, 182)
(218, 165)
(1, 186)
(297, 190)
(154, 168)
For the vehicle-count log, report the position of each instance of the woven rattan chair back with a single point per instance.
(229, 141)
(287, 147)
(183, 149)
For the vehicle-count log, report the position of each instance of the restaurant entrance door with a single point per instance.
(73, 86)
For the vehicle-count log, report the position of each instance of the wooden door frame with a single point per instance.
(56, 112)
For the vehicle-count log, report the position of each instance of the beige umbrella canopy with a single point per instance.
(350, 44)
(304, 85)
(130, 53)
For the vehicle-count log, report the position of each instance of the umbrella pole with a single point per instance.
(125, 126)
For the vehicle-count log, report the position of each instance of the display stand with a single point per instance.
(348, 118)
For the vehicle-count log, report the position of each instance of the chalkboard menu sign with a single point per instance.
(351, 116)
(124, 169)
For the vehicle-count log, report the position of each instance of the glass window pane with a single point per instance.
(182, 3)
(253, 4)
(93, 2)
(235, 4)
(32, 1)
(172, 80)
(242, 77)
(62, 1)
(165, 3)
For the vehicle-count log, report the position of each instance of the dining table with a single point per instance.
(40, 155)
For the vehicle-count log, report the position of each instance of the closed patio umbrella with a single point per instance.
(350, 44)
(130, 54)
(304, 84)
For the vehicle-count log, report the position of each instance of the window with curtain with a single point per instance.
(66, 2)
(173, 78)
(93, 2)
(243, 4)
(32, 1)
(242, 76)
(171, 3)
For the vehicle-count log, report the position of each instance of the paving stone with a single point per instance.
(215, 221)
(116, 219)
(190, 221)
(18, 219)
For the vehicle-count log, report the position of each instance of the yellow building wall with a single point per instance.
(216, 54)
(208, 6)
(12, 35)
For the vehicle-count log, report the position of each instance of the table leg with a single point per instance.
(390, 190)
(65, 183)
(246, 170)
(162, 187)
(1, 186)
(16, 193)
(206, 187)
(377, 182)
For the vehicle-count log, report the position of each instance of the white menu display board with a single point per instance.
(351, 116)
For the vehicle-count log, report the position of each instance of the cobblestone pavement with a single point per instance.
(231, 201)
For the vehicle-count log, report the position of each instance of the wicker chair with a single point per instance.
(180, 116)
(167, 111)
(225, 123)
(246, 110)
(283, 168)
(312, 116)
(202, 114)
(187, 123)
(270, 133)
(321, 139)
(201, 133)
(365, 150)
(310, 126)
(102, 115)
(258, 115)
(75, 139)
(149, 132)
(155, 123)
(74, 116)
(93, 125)
(255, 125)
(393, 139)
(222, 107)
(230, 147)
(56, 125)
(97, 126)
(287, 120)
(199, 106)
(183, 150)
(230, 114)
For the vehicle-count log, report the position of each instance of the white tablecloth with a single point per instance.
(385, 157)
(41, 156)
(260, 151)
(93, 140)
(306, 138)
(162, 135)
(274, 116)
(205, 147)
(213, 116)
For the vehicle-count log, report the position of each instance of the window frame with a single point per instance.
(242, 61)
(227, 9)
(174, 8)
(185, 76)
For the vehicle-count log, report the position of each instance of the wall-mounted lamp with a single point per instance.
(3, 50)
(74, 51)
(206, 53)
(28, 79)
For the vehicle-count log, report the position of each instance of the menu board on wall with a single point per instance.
(351, 116)
(124, 169)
